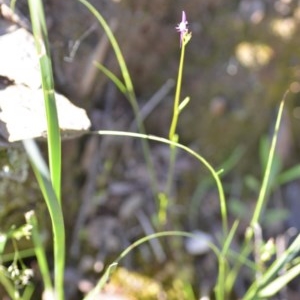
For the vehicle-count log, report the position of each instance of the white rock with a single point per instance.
(199, 244)
(22, 114)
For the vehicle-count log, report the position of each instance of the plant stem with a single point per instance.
(57, 221)
(39, 29)
(172, 132)
(129, 93)
(223, 207)
(264, 188)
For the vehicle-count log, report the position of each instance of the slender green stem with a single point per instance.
(94, 293)
(50, 187)
(111, 268)
(286, 257)
(239, 262)
(264, 188)
(42, 175)
(172, 132)
(246, 247)
(215, 175)
(171, 169)
(130, 94)
(152, 236)
(53, 133)
(220, 290)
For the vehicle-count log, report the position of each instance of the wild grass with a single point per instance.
(267, 281)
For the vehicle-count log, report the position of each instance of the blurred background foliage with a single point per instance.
(242, 57)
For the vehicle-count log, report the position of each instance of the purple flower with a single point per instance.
(182, 27)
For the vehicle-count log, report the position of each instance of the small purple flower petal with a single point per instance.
(182, 27)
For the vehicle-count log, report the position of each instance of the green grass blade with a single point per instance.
(288, 175)
(152, 236)
(208, 182)
(230, 237)
(274, 269)
(183, 104)
(276, 163)
(200, 158)
(104, 279)
(28, 292)
(279, 283)
(53, 134)
(22, 253)
(265, 184)
(118, 83)
(222, 288)
(117, 50)
(247, 248)
(279, 263)
(220, 292)
(43, 177)
(130, 94)
(94, 293)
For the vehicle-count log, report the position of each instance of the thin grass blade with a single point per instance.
(279, 283)
(130, 94)
(43, 177)
(118, 83)
(273, 270)
(95, 292)
(223, 206)
(53, 134)
(266, 179)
